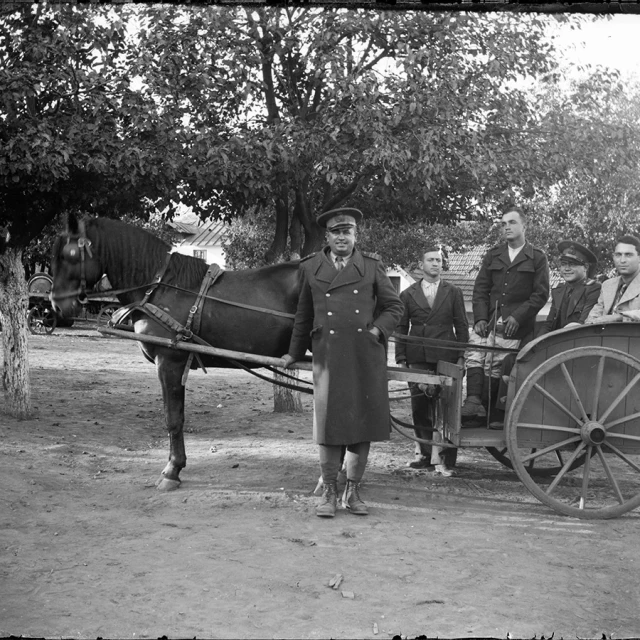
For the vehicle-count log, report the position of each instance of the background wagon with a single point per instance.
(42, 319)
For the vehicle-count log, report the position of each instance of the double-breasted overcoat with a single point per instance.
(445, 320)
(335, 311)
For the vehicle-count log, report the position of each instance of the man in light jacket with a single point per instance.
(619, 299)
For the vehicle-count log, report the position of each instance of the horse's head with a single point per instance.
(74, 268)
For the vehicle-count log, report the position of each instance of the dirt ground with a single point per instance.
(89, 548)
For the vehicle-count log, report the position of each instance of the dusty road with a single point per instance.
(90, 548)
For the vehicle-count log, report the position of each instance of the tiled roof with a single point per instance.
(210, 234)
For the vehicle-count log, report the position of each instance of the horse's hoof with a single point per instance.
(164, 484)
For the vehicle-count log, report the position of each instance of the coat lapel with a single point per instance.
(418, 295)
(633, 290)
(578, 292)
(441, 295)
(324, 269)
(353, 272)
(609, 288)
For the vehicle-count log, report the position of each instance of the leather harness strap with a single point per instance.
(195, 317)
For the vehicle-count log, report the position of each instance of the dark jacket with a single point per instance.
(335, 311)
(446, 320)
(519, 288)
(584, 297)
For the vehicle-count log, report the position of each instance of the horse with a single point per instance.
(250, 310)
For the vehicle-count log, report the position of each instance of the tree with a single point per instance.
(379, 107)
(74, 136)
(591, 127)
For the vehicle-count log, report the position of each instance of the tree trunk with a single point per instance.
(279, 243)
(286, 400)
(14, 302)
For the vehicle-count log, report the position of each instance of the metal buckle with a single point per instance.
(193, 309)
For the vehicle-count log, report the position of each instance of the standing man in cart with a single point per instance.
(346, 312)
(433, 309)
(510, 289)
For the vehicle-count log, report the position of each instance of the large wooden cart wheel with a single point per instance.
(582, 403)
(41, 320)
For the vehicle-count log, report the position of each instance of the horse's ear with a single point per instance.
(73, 225)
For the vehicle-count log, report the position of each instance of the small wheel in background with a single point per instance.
(106, 313)
(41, 321)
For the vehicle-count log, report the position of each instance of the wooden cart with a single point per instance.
(572, 427)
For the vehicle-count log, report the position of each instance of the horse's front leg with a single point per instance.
(173, 393)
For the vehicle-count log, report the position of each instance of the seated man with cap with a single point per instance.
(572, 300)
(346, 312)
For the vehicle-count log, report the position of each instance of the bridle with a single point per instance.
(75, 250)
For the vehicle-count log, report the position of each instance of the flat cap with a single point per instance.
(343, 218)
(575, 252)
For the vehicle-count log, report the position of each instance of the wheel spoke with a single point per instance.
(553, 447)
(557, 402)
(572, 387)
(597, 388)
(621, 455)
(585, 478)
(559, 456)
(612, 480)
(547, 427)
(622, 420)
(619, 398)
(565, 468)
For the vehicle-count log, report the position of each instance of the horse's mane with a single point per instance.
(134, 255)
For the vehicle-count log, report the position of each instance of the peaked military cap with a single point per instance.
(343, 218)
(576, 253)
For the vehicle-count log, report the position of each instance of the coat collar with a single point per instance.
(325, 270)
(501, 251)
(416, 292)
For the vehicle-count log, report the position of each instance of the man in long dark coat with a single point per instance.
(346, 312)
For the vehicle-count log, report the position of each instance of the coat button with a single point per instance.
(330, 313)
(328, 295)
(332, 331)
(355, 291)
(359, 330)
(357, 310)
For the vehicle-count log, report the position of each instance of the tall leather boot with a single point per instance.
(472, 407)
(327, 506)
(351, 499)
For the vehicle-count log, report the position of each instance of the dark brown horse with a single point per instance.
(133, 259)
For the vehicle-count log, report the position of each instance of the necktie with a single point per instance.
(339, 263)
(619, 295)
